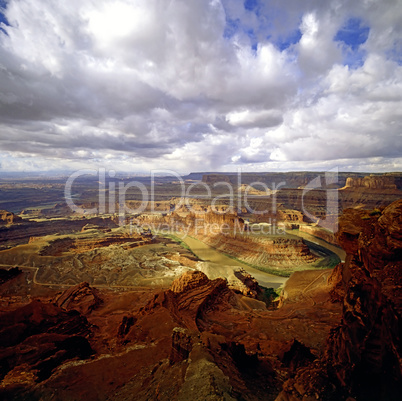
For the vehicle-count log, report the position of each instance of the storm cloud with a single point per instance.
(197, 85)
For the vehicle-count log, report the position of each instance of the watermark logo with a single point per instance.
(328, 219)
(100, 192)
(199, 228)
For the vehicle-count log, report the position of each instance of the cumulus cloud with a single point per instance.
(200, 85)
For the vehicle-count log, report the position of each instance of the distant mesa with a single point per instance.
(383, 182)
(8, 218)
(250, 190)
(97, 227)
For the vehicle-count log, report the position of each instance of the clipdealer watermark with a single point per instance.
(199, 228)
(112, 199)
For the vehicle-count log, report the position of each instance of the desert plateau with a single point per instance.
(197, 299)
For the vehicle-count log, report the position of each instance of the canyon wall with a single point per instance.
(356, 190)
(293, 179)
(299, 179)
(363, 354)
(280, 252)
(21, 233)
(319, 232)
(373, 182)
(228, 234)
(336, 336)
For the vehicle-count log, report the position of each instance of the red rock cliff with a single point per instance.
(371, 182)
(363, 355)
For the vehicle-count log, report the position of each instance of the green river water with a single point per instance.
(209, 254)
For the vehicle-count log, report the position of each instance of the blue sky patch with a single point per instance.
(3, 19)
(250, 5)
(354, 59)
(232, 26)
(293, 38)
(353, 33)
(253, 39)
(395, 54)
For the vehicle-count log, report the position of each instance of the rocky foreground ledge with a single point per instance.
(336, 335)
(362, 358)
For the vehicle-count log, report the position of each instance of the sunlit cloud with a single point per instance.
(197, 85)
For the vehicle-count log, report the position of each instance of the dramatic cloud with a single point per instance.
(200, 85)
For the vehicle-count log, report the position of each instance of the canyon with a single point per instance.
(98, 307)
(230, 235)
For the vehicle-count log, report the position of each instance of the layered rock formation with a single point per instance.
(372, 182)
(21, 233)
(250, 190)
(81, 298)
(358, 190)
(291, 216)
(335, 336)
(228, 233)
(280, 252)
(34, 340)
(287, 180)
(238, 280)
(207, 365)
(81, 245)
(8, 218)
(363, 354)
(117, 258)
(197, 340)
(319, 232)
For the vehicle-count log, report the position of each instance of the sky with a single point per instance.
(201, 85)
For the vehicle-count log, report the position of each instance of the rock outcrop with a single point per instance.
(182, 344)
(279, 252)
(8, 217)
(196, 340)
(190, 297)
(335, 335)
(81, 298)
(371, 182)
(319, 232)
(213, 367)
(228, 233)
(81, 245)
(16, 234)
(363, 355)
(282, 180)
(34, 340)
